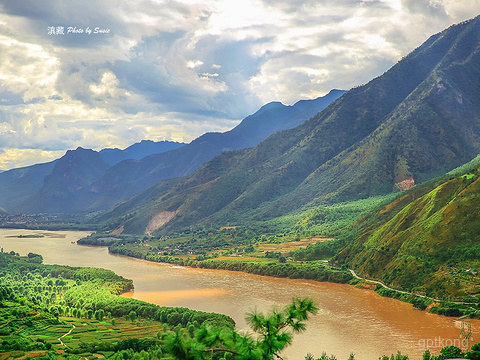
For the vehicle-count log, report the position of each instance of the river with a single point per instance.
(349, 320)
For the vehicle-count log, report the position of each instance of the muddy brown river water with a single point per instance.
(349, 320)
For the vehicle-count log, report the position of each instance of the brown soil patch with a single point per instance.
(406, 184)
(432, 305)
(227, 227)
(159, 220)
(118, 231)
(137, 328)
(292, 245)
(34, 354)
(368, 286)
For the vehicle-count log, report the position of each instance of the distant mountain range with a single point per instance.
(19, 187)
(131, 177)
(84, 180)
(138, 151)
(418, 120)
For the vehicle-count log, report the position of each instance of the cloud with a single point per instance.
(12, 157)
(176, 69)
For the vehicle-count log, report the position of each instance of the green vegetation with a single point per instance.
(48, 222)
(30, 236)
(50, 310)
(419, 242)
(274, 332)
(207, 247)
(425, 241)
(448, 352)
(237, 249)
(60, 312)
(412, 122)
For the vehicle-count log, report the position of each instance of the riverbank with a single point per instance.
(457, 309)
(312, 270)
(349, 320)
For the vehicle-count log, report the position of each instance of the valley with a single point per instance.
(357, 211)
(376, 325)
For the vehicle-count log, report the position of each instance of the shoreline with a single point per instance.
(350, 302)
(239, 264)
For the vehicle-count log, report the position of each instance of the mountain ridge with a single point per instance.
(138, 150)
(412, 121)
(131, 173)
(19, 184)
(73, 171)
(128, 178)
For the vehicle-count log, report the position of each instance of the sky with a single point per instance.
(101, 73)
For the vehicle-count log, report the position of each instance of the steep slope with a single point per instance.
(131, 177)
(426, 240)
(18, 184)
(419, 119)
(71, 173)
(138, 151)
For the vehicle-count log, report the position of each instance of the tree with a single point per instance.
(274, 332)
(89, 314)
(99, 314)
(132, 315)
(427, 355)
(474, 354)
(451, 352)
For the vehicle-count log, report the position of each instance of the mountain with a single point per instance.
(133, 176)
(271, 118)
(17, 185)
(71, 173)
(35, 188)
(418, 120)
(425, 240)
(138, 151)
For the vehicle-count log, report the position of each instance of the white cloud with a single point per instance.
(176, 69)
(12, 157)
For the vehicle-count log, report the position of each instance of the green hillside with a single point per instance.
(427, 240)
(418, 120)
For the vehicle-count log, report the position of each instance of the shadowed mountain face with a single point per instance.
(17, 186)
(114, 175)
(131, 177)
(418, 120)
(71, 173)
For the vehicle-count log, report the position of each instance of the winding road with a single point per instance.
(354, 274)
